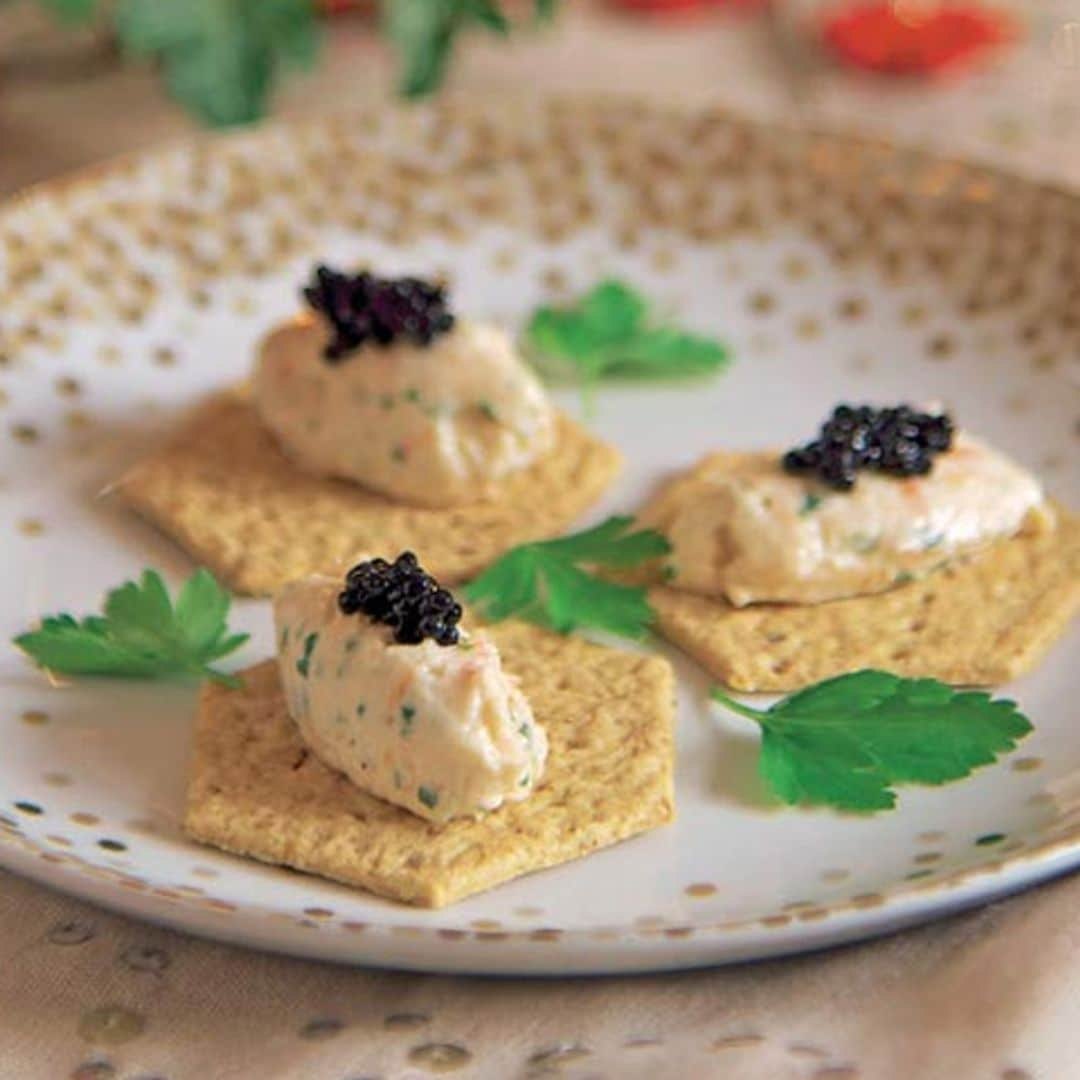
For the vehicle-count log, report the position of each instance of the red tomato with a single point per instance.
(873, 36)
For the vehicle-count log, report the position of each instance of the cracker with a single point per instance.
(223, 489)
(978, 622)
(609, 718)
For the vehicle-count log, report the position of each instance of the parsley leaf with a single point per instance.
(422, 33)
(543, 582)
(141, 634)
(220, 58)
(848, 741)
(608, 333)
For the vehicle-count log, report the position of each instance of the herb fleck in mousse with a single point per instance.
(880, 497)
(385, 686)
(379, 383)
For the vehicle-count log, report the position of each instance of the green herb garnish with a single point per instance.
(141, 634)
(811, 502)
(608, 333)
(423, 32)
(222, 59)
(428, 796)
(544, 583)
(304, 663)
(848, 741)
(219, 59)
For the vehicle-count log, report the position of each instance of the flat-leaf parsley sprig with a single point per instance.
(610, 333)
(141, 634)
(544, 582)
(847, 741)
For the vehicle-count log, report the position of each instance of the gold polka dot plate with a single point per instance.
(834, 268)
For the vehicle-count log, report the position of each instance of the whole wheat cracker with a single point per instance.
(224, 490)
(608, 714)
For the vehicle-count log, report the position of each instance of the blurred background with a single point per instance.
(81, 80)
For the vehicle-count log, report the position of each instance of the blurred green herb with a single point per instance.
(71, 11)
(221, 59)
(423, 32)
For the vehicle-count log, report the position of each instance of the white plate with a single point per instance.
(835, 269)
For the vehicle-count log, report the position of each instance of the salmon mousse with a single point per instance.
(380, 384)
(880, 497)
(390, 746)
(386, 687)
(892, 541)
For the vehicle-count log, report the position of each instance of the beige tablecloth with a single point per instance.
(994, 994)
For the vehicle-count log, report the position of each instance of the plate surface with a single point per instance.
(835, 269)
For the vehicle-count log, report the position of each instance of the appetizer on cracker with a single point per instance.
(377, 420)
(390, 748)
(890, 540)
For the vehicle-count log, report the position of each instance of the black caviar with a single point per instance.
(363, 308)
(402, 596)
(899, 441)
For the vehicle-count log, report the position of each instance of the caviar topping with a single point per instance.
(898, 441)
(363, 308)
(402, 596)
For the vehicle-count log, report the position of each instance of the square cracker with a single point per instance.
(609, 717)
(977, 622)
(224, 490)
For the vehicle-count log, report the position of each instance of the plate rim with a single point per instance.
(578, 952)
(84, 175)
